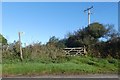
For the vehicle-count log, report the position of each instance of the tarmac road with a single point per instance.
(70, 76)
(80, 76)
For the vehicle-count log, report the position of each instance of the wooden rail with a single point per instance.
(75, 51)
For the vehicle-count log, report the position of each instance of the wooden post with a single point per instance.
(89, 13)
(85, 52)
(21, 56)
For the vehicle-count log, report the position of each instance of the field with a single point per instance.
(76, 65)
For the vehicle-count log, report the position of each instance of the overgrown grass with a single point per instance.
(73, 65)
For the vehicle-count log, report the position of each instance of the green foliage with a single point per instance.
(107, 49)
(49, 52)
(53, 39)
(96, 30)
(87, 36)
(75, 65)
(3, 40)
(11, 53)
(16, 48)
(53, 50)
(56, 42)
(51, 59)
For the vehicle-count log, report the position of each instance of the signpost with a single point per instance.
(21, 54)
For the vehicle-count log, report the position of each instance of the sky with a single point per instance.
(41, 20)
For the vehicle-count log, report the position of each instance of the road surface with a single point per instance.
(70, 76)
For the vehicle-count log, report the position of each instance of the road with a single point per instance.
(70, 76)
(80, 76)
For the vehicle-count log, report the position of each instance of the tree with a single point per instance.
(112, 33)
(56, 42)
(96, 30)
(16, 48)
(3, 41)
(87, 36)
(110, 47)
(53, 39)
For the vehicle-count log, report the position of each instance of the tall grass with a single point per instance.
(76, 65)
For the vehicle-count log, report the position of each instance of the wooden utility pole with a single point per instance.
(21, 55)
(88, 9)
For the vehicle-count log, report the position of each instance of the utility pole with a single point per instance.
(21, 55)
(89, 13)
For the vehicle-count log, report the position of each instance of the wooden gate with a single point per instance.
(75, 51)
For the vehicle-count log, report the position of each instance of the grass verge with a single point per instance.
(76, 65)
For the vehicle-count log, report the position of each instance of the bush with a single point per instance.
(43, 53)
